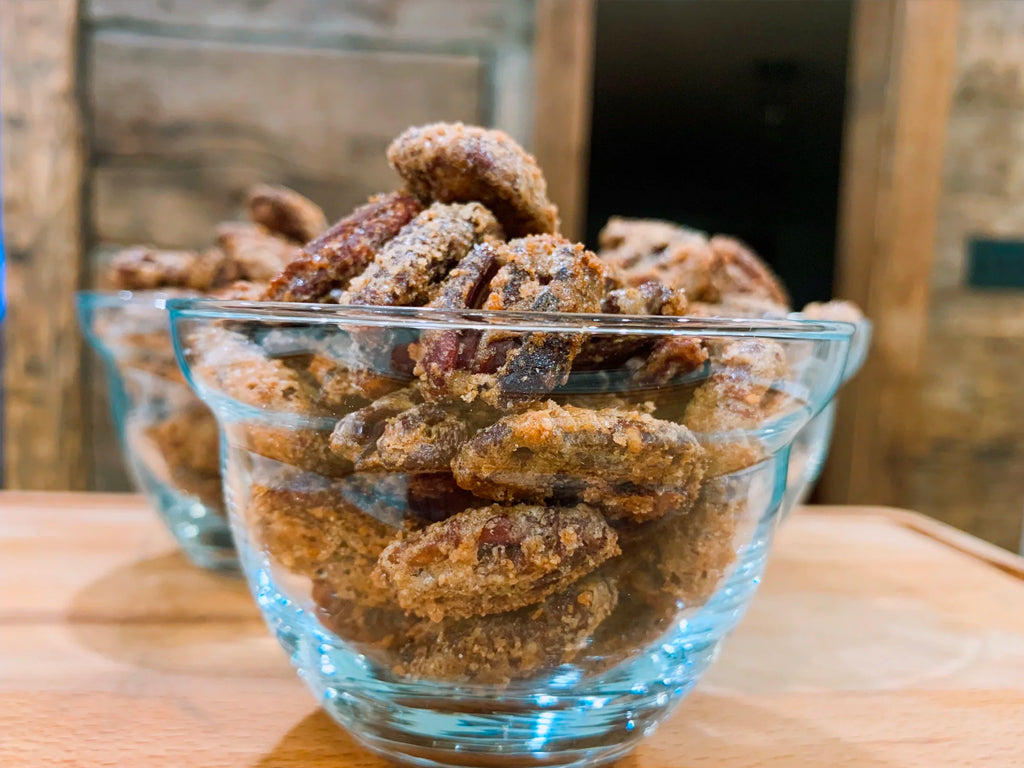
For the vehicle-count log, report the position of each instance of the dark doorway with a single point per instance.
(725, 115)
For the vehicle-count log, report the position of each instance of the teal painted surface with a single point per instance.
(995, 263)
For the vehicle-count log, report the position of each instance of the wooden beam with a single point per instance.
(903, 57)
(42, 190)
(563, 68)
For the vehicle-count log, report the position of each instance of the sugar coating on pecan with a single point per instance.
(627, 463)
(456, 163)
(494, 559)
(330, 261)
(405, 270)
(541, 273)
(508, 646)
(285, 212)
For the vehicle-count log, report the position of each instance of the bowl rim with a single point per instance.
(504, 320)
(156, 298)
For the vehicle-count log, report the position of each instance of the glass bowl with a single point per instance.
(501, 562)
(810, 448)
(168, 437)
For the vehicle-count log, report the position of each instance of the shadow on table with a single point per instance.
(728, 733)
(705, 730)
(164, 613)
(316, 740)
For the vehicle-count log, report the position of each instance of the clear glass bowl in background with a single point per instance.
(168, 437)
(810, 448)
(429, 660)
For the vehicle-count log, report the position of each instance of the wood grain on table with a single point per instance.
(877, 639)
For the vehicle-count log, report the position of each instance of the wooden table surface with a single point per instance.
(879, 638)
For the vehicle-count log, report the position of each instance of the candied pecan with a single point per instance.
(440, 352)
(737, 396)
(188, 437)
(403, 271)
(626, 242)
(254, 253)
(241, 290)
(743, 372)
(343, 251)
(627, 463)
(709, 271)
(183, 451)
(646, 249)
(648, 298)
(669, 565)
(541, 273)
(602, 351)
(400, 433)
(455, 163)
(672, 357)
(494, 559)
(424, 438)
(355, 436)
(839, 310)
(243, 371)
(344, 386)
(503, 647)
(285, 212)
(142, 268)
(694, 552)
(306, 523)
(738, 270)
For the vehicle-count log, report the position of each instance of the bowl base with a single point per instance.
(572, 715)
(403, 754)
(567, 719)
(202, 532)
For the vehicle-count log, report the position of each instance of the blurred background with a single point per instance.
(869, 149)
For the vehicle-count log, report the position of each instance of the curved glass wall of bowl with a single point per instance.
(480, 541)
(169, 439)
(811, 446)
